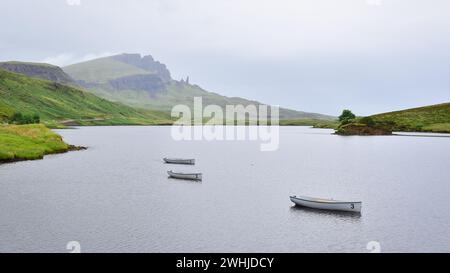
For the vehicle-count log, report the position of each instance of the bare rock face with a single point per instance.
(146, 63)
(36, 70)
(150, 83)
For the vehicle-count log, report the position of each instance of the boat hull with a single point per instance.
(188, 176)
(179, 161)
(324, 204)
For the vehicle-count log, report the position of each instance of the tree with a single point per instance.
(346, 116)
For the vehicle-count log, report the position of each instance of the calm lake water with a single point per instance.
(116, 197)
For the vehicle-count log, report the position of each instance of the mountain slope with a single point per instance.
(434, 118)
(102, 70)
(39, 70)
(57, 103)
(143, 82)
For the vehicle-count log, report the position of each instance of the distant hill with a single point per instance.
(143, 82)
(39, 70)
(57, 103)
(434, 118)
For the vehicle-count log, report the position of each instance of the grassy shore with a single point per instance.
(29, 142)
(316, 123)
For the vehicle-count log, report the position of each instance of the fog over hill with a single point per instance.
(143, 82)
(311, 55)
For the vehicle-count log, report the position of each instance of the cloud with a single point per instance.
(65, 59)
(288, 52)
(73, 2)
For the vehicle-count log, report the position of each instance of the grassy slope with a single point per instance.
(175, 94)
(30, 63)
(434, 118)
(27, 142)
(183, 94)
(101, 70)
(39, 70)
(56, 103)
(316, 123)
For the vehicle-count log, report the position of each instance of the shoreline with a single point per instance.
(280, 125)
(31, 142)
(71, 148)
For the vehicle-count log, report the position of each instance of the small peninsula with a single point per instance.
(351, 125)
(30, 142)
(361, 129)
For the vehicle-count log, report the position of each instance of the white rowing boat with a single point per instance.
(327, 204)
(179, 161)
(190, 176)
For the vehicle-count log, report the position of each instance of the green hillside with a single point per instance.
(143, 82)
(39, 70)
(59, 104)
(102, 70)
(181, 93)
(434, 118)
(316, 123)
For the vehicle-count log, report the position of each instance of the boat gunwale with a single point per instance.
(180, 159)
(329, 202)
(171, 172)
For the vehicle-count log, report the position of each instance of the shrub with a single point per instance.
(19, 118)
(36, 118)
(367, 121)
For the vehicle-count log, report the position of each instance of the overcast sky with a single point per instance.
(315, 55)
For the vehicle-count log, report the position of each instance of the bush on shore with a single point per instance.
(19, 118)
